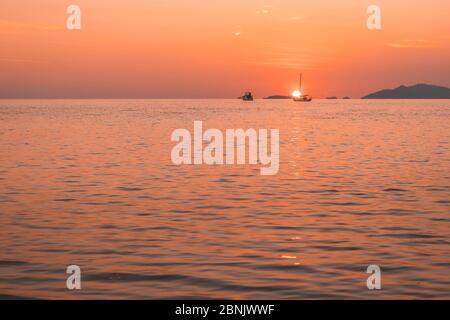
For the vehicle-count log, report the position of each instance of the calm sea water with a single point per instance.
(91, 183)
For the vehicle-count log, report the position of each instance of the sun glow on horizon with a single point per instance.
(296, 93)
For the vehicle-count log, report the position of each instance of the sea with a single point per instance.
(91, 183)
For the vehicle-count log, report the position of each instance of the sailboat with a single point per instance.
(247, 96)
(297, 94)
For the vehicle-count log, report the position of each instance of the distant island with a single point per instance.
(289, 97)
(278, 97)
(418, 91)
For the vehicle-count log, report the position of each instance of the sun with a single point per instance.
(296, 94)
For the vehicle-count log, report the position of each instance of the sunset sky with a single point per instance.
(215, 49)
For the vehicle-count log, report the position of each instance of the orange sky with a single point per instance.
(202, 49)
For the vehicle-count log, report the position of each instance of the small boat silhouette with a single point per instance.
(247, 96)
(301, 97)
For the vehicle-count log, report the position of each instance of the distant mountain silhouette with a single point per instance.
(278, 97)
(418, 91)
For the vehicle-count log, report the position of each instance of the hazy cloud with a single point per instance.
(23, 61)
(8, 26)
(416, 43)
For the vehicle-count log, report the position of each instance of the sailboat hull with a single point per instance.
(302, 99)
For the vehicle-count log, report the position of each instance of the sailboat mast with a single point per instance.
(300, 83)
